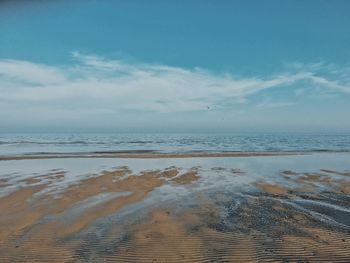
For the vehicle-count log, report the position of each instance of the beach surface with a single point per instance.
(188, 207)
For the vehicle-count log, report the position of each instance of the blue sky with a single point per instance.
(174, 66)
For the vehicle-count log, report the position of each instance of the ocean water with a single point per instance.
(11, 144)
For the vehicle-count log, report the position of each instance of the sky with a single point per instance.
(174, 66)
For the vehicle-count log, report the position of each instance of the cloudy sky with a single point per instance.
(170, 66)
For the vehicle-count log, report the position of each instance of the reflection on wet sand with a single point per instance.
(216, 214)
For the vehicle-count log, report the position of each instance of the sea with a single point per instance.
(35, 143)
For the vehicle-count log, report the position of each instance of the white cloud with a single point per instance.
(27, 73)
(94, 83)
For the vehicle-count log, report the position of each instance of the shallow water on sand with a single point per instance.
(265, 168)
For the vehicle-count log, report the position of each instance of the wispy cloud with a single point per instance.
(93, 82)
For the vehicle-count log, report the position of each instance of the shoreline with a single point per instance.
(151, 155)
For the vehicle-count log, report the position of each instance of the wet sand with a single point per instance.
(224, 211)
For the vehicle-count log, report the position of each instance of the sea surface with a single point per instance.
(13, 144)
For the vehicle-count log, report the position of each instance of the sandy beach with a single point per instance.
(179, 208)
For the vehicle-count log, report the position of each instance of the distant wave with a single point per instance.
(79, 142)
(44, 143)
